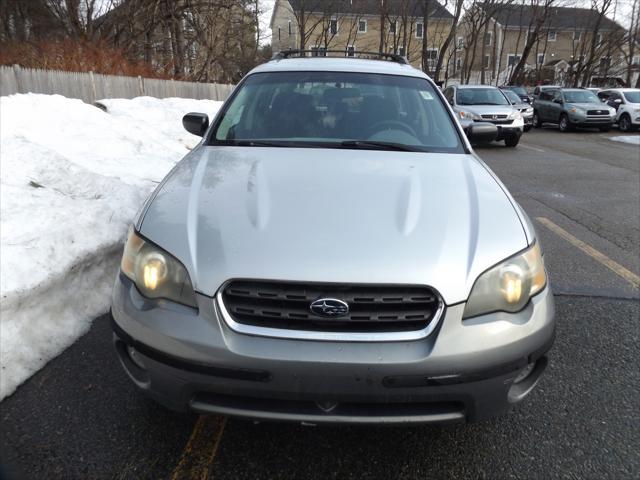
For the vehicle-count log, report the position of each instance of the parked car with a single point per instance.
(526, 110)
(626, 102)
(572, 107)
(543, 88)
(345, 258)
(520, 91)
(486, 103)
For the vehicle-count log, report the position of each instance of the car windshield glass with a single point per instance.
(518, 90)
(480, 96)
(632, 97)
(580, 96)
(337, 110)
(511, 96)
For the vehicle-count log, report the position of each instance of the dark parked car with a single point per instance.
(520, 91)
(572, 107)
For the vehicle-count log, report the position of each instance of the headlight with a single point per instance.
(529, 110)
(515, 115)
(509, 285)
(469, 115)
(577, 110)
(155, 273)
(612, 111)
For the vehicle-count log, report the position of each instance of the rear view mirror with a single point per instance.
(196, 123)
(481, 132)
(618, 101)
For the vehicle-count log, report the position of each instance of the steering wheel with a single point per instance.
(378, 126)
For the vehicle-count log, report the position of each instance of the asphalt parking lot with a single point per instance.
(80, 417)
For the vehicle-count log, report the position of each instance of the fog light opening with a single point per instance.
(135, 357)
(524, 373)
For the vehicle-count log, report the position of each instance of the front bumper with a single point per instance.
(191, 360)
(586, 122)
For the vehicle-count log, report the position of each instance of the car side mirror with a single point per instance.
(481, 132)
(617, 101)
(196, 123)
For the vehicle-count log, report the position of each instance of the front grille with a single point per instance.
(598, 112)
(372, 308)
(494, 117)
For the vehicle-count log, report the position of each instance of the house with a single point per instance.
(393, 26)
(493, 38)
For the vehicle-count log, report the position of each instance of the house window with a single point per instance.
(460, 44)
(540, 58)
(605, 64)
(419, 30)
(333, 27)
(279, 33)
(551, 36)
(362, 26)
(577, 36)
(401, 51)
(290, 28)
(432, 58)
(635, 60)
(351, 51)
(458, 66)
(392, 27)
(487, 39)
(513, 59)
(487, 62)
(599, 39)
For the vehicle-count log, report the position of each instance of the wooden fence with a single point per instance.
(94, 86)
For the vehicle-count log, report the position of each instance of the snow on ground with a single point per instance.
(72, 177)
(632, 139)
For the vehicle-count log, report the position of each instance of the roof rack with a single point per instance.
(322, 53)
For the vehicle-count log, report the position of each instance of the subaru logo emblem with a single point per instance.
(329, 307)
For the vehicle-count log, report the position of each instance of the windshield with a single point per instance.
(632, 97)
(337, 110)
(511, 96)
(580, 96)
(518, 90)
(480, 96)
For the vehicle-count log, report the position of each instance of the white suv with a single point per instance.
(626, 101)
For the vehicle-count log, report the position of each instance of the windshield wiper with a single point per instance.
(376, 145)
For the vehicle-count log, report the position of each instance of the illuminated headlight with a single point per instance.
(515, 115)
(508, 286)
(577, 110)
(469, 115)
(156, 273)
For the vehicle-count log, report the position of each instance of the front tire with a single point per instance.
(565, 124)
(537, 123)
(512, 142)
(625, 123)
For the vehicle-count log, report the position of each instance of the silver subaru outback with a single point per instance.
(334, 251)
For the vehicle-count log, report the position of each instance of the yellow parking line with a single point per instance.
(612, 265)
(201, 448)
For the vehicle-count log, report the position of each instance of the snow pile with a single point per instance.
(72, 178)
(632, 139)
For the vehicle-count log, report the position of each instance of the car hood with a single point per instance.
(487, 109)
(589, 106)
(351, 216)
